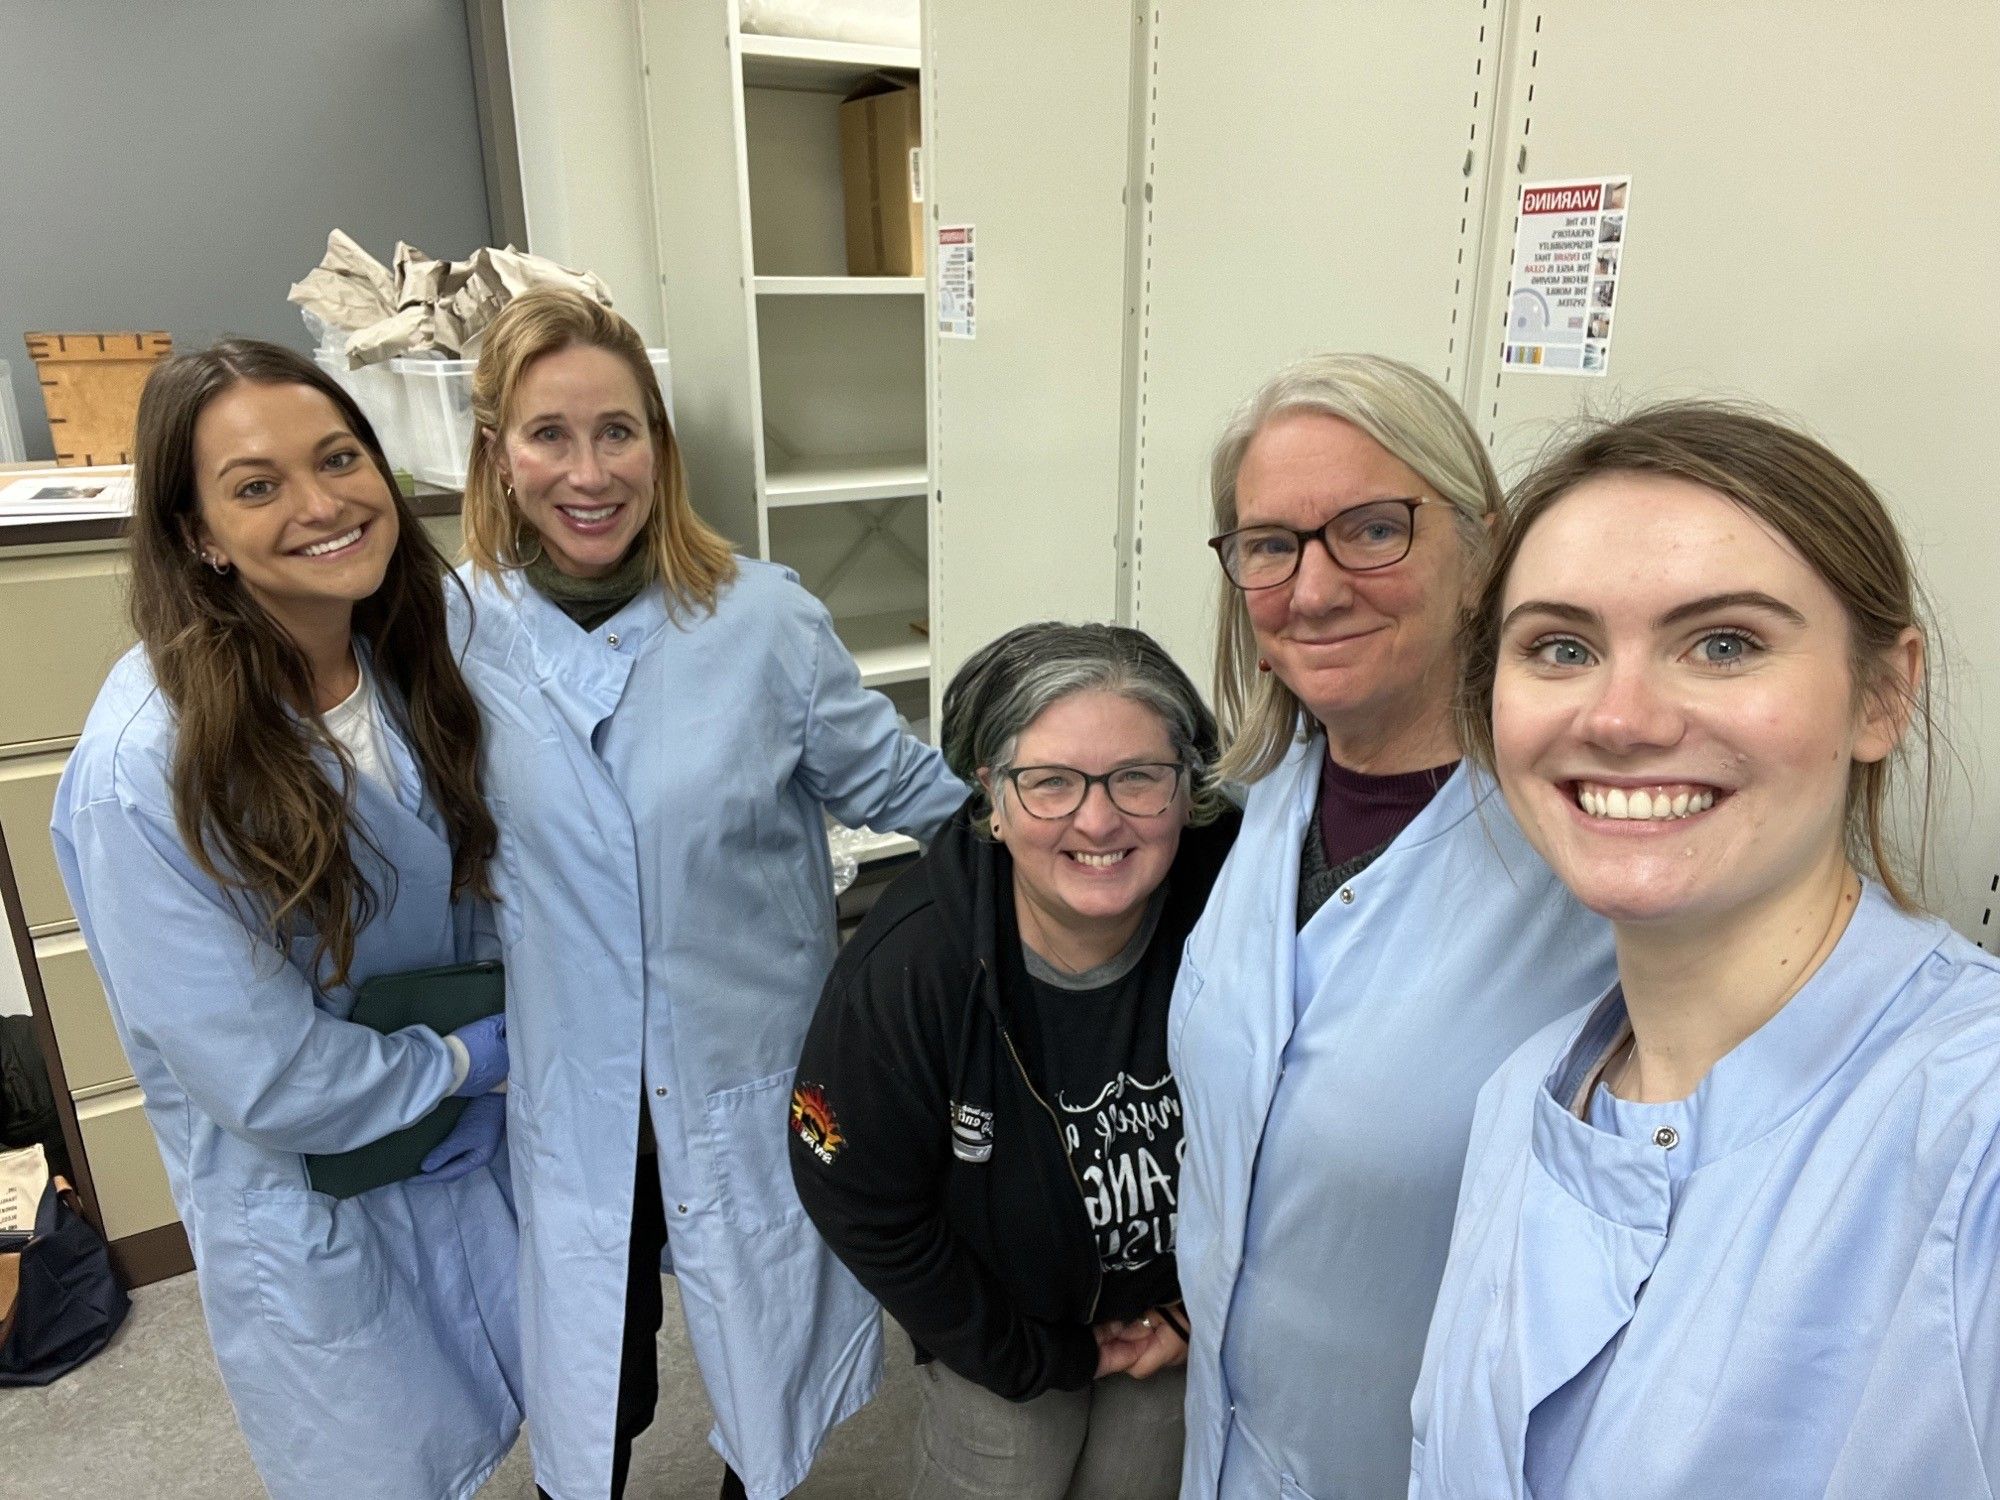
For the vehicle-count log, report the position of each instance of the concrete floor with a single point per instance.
(148, 1417)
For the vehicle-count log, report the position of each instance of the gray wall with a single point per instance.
(177, 164)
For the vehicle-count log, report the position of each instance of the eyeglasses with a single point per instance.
(1360, 539)
(1139, 791)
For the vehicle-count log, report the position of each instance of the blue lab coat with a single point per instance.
(1783, 1285)
(368, 1344)
(1328, 1078)
(666, 904)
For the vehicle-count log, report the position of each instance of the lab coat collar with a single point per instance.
(397, 741)
(1464, 794)
(1756, 1087)
(583, 671)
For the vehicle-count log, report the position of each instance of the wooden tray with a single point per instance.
(90, 385)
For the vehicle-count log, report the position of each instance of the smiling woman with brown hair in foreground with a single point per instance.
(1733, 1229)
(276, 798)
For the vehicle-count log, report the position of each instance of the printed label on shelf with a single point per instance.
(954, 281)
(1569, 240)
(916, 174)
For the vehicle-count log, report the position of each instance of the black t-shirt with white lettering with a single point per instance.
(1102, 1065)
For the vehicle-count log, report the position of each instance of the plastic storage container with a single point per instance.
(13, 449)
(380, 393)
(439, 396)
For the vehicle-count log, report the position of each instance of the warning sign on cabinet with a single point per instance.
(1562, 302)
(955, 281)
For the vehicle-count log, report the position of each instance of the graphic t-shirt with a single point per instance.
(1103, 1069)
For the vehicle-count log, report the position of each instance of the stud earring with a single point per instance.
(1263, 665)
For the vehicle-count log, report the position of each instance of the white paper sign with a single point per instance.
(1563, 295)
(954, 281)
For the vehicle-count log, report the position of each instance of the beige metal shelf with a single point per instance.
(886, 647)
(785, 62)
(840, 286)
(843, 479)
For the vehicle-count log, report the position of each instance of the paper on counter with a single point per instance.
(67, 495)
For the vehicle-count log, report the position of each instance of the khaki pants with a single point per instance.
(1117, 1439)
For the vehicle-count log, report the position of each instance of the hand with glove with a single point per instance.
(485, 1044)
(472, 1143)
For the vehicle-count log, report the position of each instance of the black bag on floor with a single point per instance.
(69, 1303)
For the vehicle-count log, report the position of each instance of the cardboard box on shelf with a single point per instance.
(881, 133)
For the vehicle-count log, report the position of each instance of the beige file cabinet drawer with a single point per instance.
(27, 795)
(125, 1164)
(62, 619)
(91, 1054)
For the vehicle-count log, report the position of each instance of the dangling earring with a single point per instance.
(1263, 665)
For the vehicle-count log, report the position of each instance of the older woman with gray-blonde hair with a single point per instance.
(1366, 956)
(984, 1126)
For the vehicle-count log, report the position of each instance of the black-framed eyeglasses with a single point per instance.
(1140, 791)
(1360, 539)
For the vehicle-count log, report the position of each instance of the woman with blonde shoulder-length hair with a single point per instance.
(670, 725)
(1379, 940)
(1730, 1228)
(277, 798)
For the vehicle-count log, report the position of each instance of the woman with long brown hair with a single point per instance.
(670, 726)
(276, 797)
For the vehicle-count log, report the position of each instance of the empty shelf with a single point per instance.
(834, 481)
(840, 286)
(886, 648)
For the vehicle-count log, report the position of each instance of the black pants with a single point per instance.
(645, 1307)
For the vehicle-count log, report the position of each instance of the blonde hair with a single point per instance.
(1820, 505)
(689, 557)
(1418, 422)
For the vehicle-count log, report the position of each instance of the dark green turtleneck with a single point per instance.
(592, 601)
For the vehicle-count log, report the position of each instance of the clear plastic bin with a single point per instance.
(439, 393)
(439, 397)
(13, 448)
(382, 396)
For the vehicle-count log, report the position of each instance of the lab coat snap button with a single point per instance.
(611, 640)
(1666, 1138)
(661, 1092)
(1347, 895)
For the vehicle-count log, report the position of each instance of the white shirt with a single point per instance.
(356, 724)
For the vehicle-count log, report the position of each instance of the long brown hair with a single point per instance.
(691, 558)
(1820, 505)
(254, 804)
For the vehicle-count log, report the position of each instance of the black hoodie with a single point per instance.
(920, 1144)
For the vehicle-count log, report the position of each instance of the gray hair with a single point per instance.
(1005, 685)
(1421, 425)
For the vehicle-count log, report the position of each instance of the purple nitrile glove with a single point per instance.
(486, 1044)
(472, 1143)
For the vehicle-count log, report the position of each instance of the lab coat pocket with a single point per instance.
(1290, 1489)
(747, 1127)
(322, 1272)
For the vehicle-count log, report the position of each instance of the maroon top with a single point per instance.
(1358, 813)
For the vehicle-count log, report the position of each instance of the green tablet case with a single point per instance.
(444, 1000)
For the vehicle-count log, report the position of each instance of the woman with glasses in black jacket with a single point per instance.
(985, 1126)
